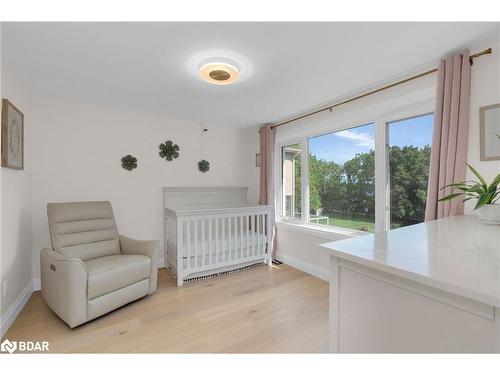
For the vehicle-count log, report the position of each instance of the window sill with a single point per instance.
(331, 233)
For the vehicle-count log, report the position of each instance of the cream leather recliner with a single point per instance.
(90, 269)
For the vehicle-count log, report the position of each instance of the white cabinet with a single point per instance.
(431, 288)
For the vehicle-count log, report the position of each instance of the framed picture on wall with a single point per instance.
(489, 124)
(12, 136)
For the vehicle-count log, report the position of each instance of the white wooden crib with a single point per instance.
(213, 230)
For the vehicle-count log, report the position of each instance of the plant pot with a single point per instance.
(490, 214)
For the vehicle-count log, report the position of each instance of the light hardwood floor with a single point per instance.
(275, 309)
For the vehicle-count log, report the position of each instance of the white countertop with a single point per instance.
(456, 254)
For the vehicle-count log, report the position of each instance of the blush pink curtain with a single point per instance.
(451, 130)
(267, 138)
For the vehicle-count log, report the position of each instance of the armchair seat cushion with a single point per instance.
(109, 273)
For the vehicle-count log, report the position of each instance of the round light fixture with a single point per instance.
(219, 73)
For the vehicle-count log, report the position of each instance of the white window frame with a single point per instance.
(279, 179)
(380, 118)
(282, 200)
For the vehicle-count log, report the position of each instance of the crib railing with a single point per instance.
(199, 244)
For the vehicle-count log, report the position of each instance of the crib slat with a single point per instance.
(263, 244)
(263, 234)
(235, 239)
(240, 219)
(188, 248)
(217, 247)
(224, 242)
(258, 235)
(210, 247)
(203, 243)
(230, 239)
(260, 232)
(253, 234)
(179, 251)
(195, 230)
(247, 250)
(214, 246)
(225, 234)
(269, 235)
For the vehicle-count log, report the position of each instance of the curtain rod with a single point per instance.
(330, 107)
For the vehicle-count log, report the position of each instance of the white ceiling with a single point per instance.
(286, 67)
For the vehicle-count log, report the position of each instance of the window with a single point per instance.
(292, 181)
(409, 153)
(342, 178)
(369, 176)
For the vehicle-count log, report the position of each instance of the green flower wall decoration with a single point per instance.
(129, 162)
(169, 151)
(203, 165)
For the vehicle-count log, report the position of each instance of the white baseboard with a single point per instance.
(319, 272)
(15, 308)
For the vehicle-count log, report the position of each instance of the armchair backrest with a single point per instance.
(83, 230)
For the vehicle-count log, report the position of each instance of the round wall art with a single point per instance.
(129, 162)
(203, 165)
(169, 150)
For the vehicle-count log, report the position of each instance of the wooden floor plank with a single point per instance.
(275, 309)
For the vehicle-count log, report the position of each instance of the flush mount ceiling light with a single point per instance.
(242, 67)
(219, 73)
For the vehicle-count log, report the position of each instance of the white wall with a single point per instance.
(250, 146)
(299, 249)
(16, 225)
(485, 90)
(77, 150)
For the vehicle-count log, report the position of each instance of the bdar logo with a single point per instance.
(8, 346)
(24, 346)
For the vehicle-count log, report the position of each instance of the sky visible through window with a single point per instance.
(344, 145)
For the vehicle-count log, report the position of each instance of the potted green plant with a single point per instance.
(486, 195)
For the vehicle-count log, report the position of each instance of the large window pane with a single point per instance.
(342, 178)
(410, 143)
(291, 194)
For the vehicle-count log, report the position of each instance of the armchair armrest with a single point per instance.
(148, 248)
(130, 246)
(64, 286)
